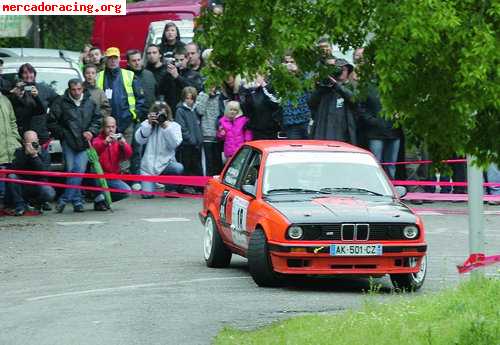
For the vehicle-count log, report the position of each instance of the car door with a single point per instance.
(230, 182)
(242, 196)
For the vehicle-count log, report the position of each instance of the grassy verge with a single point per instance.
(466, 315)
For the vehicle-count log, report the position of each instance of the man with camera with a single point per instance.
(162, 136)
(30, 157)
(333, 105)
(74, 119)
(30, 101)
(112, 149)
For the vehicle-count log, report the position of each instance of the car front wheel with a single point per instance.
(411, 281)
(259, 262)
(215, 251)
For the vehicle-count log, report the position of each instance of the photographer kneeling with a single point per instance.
(162, 136)
(112, 149)
(30, 157)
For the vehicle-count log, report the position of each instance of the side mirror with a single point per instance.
(401, 190)
(248, 189)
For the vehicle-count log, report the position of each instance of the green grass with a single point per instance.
(466, 315)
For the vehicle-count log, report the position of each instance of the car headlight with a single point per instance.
(410, 232)
(295, 232)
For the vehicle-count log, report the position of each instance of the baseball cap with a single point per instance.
(112, 51)
(343, 62)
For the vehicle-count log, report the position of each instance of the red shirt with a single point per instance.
(110, 155)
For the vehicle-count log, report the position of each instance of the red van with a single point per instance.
(130, 31)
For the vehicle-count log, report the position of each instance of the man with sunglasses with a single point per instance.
(30, 157)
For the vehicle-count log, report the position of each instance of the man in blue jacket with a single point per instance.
(124, 92)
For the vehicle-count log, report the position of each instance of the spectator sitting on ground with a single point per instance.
(112, 149)
(161, 136)
(30, 157)
(233, 129)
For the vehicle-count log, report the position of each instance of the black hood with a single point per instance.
(339, 209)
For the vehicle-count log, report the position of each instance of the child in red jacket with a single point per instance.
(112, 149)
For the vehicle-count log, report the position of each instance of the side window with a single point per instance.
(234, 170)
(252, 172)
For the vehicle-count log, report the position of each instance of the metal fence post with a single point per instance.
(475, 205)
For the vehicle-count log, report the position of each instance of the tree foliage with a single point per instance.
(436, 62)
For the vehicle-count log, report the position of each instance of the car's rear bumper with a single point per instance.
(317, 260)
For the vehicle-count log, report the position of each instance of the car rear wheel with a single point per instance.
(259, 262)
(411, 281)
(215, 251)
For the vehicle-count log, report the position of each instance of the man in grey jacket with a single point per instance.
(162, 136)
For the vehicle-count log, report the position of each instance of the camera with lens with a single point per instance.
(28, 88)
(161, 117)
(170, 60)
(35, 145)
(117, 136)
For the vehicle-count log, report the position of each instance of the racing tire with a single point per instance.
(259, 261)
(216, 253)
(410, 281)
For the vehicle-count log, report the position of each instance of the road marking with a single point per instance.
(131, 287)
(429, 213)
(165, 220)
(86, 222)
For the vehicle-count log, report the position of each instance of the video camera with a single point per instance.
(161, 117)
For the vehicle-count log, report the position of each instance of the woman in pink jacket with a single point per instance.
(232, 129)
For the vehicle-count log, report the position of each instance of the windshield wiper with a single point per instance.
(350, 189)
(297, 190)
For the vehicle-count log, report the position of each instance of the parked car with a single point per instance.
(53, 71)
(311, 208)
(108, 30)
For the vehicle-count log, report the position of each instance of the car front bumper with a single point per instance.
(396, 259)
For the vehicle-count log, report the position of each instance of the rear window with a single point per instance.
(56, 78)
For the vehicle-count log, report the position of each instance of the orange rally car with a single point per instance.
(311, 208)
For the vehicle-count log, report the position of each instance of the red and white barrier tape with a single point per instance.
(477, 260)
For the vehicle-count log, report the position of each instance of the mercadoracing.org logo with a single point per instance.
(63, 7)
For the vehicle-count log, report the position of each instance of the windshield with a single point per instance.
(325, 172)
(57, 78)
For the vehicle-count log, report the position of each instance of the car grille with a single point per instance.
(375, 231)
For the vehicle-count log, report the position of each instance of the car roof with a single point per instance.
(26, 52)
(304, 145)
(38, 62)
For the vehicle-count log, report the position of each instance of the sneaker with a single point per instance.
(100, 206)
(416, 202)
(148, 196)
(60, 208)
(46, 206)
(19, 212)
(136, 186)
(78, 208)
(494, 203)
(190, 190)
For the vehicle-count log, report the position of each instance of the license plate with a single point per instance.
(356, 249)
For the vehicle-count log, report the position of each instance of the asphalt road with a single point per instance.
(137, 276)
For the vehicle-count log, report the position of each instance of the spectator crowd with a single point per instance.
(157, 117)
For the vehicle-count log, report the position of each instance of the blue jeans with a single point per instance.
(173, 168)
(493, 176)
(385, 151)
(115, 184)
(76, 162)
(36, 194)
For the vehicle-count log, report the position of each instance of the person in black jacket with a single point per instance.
(170, 40)
(30, 101)
(30, 157)
(192, 139)
(333, 105)
(262, 109)
(74, 119)
(383, 138)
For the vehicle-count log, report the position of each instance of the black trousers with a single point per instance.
(190, 157)
(213, 157)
